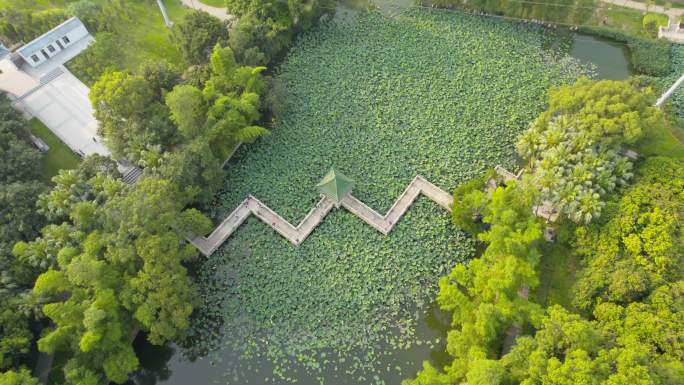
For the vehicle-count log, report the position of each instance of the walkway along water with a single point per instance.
(297, 235)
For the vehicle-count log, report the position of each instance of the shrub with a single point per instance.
(17, 26)
(104, 54)
(651, 57)
(652, 21)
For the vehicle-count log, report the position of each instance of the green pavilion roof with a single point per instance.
(335, 185)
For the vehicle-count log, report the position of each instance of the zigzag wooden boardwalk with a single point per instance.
(297, 235)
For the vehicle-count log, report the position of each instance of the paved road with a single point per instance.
(221, 13)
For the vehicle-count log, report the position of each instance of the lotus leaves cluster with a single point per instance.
(439, 94)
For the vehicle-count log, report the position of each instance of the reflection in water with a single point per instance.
(154, 361)
(610, 58)
(166, 365)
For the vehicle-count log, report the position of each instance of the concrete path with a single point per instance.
(672, 12)
(15, 81)
(670, 91)
(220, 13)
(62, 104)
(297, 235)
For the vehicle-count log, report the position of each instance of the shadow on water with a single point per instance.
(166, 365)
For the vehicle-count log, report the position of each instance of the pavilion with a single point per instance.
(335, 186)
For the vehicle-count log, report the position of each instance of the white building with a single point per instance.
(56, 40)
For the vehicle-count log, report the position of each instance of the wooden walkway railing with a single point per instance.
(296, 235)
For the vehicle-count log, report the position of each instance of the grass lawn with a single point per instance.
(215, 3)
(59, 156)
(144, 34)
(662, 142)
(625, 19)
(673, 3)
(147, 36)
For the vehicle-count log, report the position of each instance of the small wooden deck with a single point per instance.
(296, 235)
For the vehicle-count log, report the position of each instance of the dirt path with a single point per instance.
(221, 13)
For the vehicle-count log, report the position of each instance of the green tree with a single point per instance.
(17, 25)
(131, 115)
(160, 75)
(99, 17)
(606, 111)
(20, 158)
(213, 121)
(622, 345)
(188, 110)
(19, 377)
(120, 259)
(639, 244)
(104, 55)
(266, 28)
(19, 219)
(20, 187)
(16, 335)
(574, 147)
(488, 295)
(469, 201)
(195, 169)
(197, 34)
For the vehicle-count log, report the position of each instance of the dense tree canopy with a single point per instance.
(197, 34)
(622, 345)
(639, 245)
(20, 377)
(607, 111)
(212, 121)
(488, 295)
(575, 146)
(20, 186)
(266, 28)
(132, 117)
(629, 291)
(17, 25)
(118, 269)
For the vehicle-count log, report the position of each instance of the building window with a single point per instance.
(66, 40)
(51, 48)
(44, 54)
(35, 58)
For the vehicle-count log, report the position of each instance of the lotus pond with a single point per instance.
(381, 99)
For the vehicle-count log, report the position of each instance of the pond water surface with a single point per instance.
(610, 58)
(165, 365)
